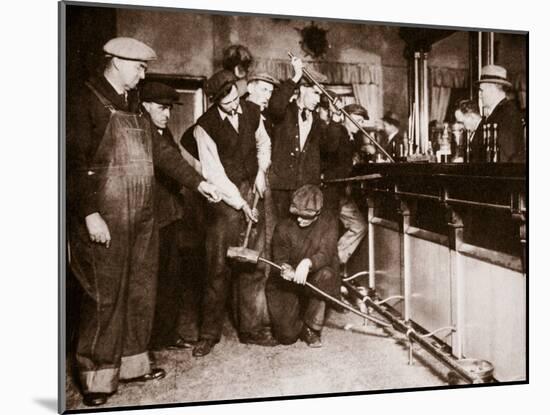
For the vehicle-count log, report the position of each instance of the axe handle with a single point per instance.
(249, 226)
(332, 100)
(268, 262)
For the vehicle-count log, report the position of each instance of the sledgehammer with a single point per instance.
(243, 254)
(233, 251)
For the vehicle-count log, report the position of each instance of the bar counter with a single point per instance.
(449, 240)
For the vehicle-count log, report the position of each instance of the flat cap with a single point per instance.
(262, 76)
(130, 49)
(217, 82)
(357, 110)
(159, 93)
(307, 201)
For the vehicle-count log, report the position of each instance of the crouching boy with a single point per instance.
(305, 245)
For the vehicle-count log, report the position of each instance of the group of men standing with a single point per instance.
(257, 159)
(131, 189)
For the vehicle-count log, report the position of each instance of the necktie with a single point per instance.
(124, 98)
(303, 114)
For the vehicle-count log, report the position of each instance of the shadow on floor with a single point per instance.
(359, 358)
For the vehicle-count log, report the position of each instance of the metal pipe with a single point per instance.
(406, 270)
(331, 298)
(448, 200)
(356, 275)
(477, 204)
(416, 99)
(460, 303)
(370, 236)
(393, 297)
(355, 178)
(479, 66)
(414, 336)
(425, 109)
(333, 101)
(491, 49)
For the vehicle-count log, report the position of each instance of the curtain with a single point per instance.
(439, 101)
(369, 96)
(442, 80)
(336, 72)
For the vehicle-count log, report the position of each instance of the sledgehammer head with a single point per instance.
(243, 254)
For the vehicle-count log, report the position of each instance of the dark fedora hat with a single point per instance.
(159, 93)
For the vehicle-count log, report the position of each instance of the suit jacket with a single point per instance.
(477, 149)
(337, 154)
(510, 131)
(168, 199)
(290, 166)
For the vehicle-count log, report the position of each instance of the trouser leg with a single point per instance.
(169, 285)
(142, 285)
(284, 309)
(252, 315)
(222, 232)
(356, 229)
(326, 280)
(103, 276)
(191, 294)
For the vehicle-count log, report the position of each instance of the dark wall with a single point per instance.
(88, 28)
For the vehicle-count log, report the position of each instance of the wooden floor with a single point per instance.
(354, 357)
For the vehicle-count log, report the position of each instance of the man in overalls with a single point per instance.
(112, 230)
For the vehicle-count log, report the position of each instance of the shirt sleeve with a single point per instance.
(263, 146)
(213, 171)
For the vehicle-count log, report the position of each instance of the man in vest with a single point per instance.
(226, 137)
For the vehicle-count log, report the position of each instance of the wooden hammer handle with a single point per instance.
(249, 227)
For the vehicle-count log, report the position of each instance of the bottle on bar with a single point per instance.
(430, 152)
(457, 130)
(445, 147)
(496, 144)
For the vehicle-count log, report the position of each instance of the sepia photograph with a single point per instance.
(267, 207)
